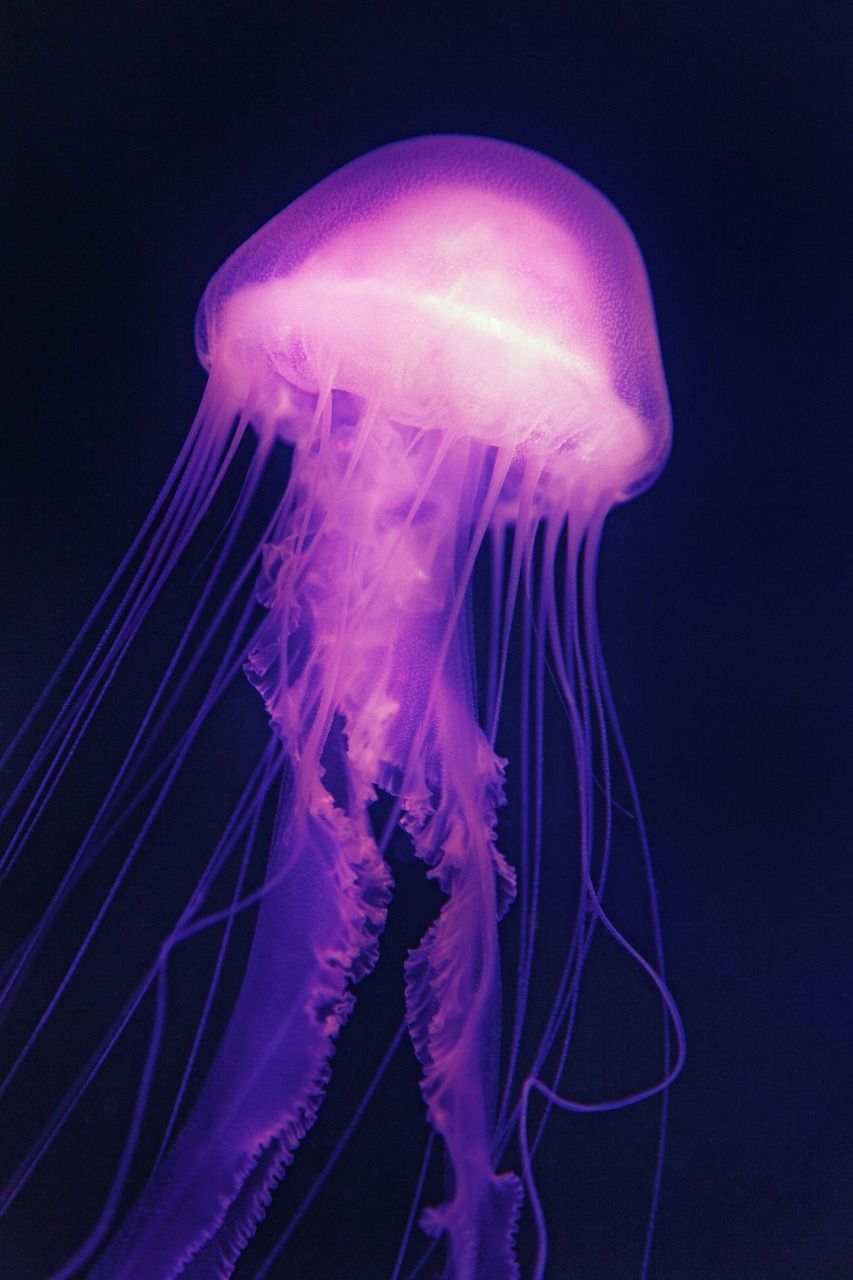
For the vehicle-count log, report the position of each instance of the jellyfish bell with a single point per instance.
(456, 337)
(466, 285)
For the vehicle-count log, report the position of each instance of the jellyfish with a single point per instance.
(452, 341)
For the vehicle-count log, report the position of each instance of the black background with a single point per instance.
(143, 143)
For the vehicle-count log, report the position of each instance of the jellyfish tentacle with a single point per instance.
(453, 996)
(361, 634)
(321, 914)
(317, 932)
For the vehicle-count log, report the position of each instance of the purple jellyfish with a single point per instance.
(456, 339)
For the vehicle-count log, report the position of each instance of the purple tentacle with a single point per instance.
(317, 932)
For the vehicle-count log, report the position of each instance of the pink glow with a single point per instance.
(456, 337)
(467, 286)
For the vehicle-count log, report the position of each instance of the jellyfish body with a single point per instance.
(455, 336)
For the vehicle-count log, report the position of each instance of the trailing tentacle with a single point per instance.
(453, 998)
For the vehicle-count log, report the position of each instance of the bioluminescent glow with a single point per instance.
(456, 339)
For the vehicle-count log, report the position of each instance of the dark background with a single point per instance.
(143, 143)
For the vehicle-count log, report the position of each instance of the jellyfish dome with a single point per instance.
(455, 339)
(467, 285)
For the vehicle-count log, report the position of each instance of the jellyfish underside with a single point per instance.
(442, 367)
